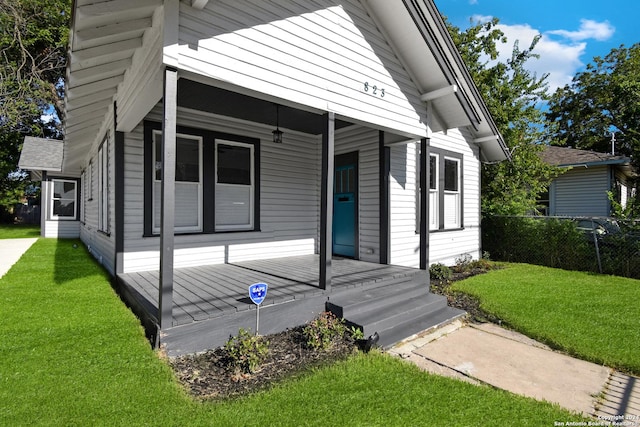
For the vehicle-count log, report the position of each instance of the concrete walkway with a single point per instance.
(489, 354)
(11, 250)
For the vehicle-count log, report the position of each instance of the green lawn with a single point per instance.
(593, 317)
(14, 231)
(71, 354)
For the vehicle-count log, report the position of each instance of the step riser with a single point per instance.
(375, 301)
(354, 294)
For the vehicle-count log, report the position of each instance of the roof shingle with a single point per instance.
(41, 154)
(565, 156)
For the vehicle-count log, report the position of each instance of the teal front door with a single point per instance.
(345, 212)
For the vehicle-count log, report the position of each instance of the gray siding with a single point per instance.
(101, 244)
(583, 191)
(289, 176)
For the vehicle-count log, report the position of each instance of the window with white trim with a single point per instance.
(63, 199)
(234, 185)
(445, 190)
(83, 191)
(103, 186)
(434, 218)
(451, 193)
(188, 182)
(90, 181)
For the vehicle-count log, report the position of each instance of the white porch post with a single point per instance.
(167, 212)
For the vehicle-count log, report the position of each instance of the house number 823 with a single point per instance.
(374, 90)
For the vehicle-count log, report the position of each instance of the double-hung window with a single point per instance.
(434, 221)
(234, 185)
(64, 199)
(445, 190)
(188, 182)
(452, 200)
(103, 186)
(217, 185)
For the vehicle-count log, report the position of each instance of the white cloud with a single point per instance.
(481, 19)
(559, 56)
(589, 29)
(557, 59)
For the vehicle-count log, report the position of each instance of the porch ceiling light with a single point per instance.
(277, 134)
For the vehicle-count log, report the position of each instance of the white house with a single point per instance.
(174, 114)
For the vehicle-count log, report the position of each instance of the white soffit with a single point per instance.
(103, 39)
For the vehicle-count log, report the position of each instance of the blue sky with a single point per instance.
(573, 31)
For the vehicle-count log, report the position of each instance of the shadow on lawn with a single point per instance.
(73, 261)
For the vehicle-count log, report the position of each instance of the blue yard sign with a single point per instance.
(258, 292)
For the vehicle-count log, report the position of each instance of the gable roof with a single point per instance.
(105, 36)
(572, 157)
(41, 154)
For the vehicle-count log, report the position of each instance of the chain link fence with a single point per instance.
(594, 244)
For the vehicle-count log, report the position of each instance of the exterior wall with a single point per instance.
(326, 54)
(290, 200)
(101, 243)
(289, 207)
(582, 191)
(444, 246)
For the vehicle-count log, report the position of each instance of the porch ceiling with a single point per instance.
(215, 100)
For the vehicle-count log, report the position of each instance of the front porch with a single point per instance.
(211, 302)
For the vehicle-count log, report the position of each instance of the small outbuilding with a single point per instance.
(60, 199)
(582, 189)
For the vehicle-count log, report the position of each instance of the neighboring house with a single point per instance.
(60, 198)
(356, 90)
(581, 190)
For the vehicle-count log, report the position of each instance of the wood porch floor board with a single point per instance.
(207, 292)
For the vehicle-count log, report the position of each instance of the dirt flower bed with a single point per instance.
(461, 300)
(211, 375)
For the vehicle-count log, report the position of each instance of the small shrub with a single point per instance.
(356, 333)
(320, 332)
(482, 264)
(463, 263)
(440, 271)
(246, 351)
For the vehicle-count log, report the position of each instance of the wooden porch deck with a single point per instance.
(216, 296)
(207, 292)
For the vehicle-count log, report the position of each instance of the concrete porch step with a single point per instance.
(424, 322)
(356, 301)
(395, 311)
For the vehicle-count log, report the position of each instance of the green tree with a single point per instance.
(512, 94)
(602, 99)
(33, 42)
